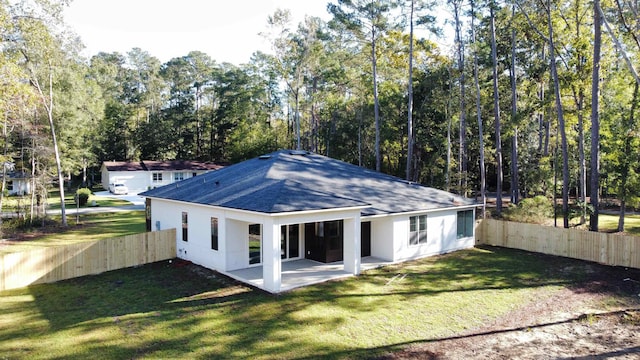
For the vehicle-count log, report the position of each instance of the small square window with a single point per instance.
(465, 224)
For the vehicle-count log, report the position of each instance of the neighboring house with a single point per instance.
(18, 183)
(291, 205)
(143, 175)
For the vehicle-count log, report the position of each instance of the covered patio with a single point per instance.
(303, 272)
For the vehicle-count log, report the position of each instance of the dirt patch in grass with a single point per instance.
(580, 322)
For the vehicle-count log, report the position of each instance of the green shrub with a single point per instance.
(82, 196)
(535, 210)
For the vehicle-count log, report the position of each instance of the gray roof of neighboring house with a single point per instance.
(153, 165)
(288, 181)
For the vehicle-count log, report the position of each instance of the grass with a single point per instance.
(606, 223)
(13, 203)
(166, 310)
(94, 226)
(70, 204)
(610, 223)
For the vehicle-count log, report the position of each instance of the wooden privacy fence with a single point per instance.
(609, 249)
(93, 257)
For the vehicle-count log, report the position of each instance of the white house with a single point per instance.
(18, 183)
(289, 206)
(143, 175)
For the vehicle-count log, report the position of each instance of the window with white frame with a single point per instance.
(465, 224)
(214, 233)
(418, 230)
(156, 177)
(179, 176)
(185, 226)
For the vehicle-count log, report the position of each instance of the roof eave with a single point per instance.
(271, 214)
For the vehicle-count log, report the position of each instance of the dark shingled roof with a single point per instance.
(152, 165)
(288, 181)
(124, 166)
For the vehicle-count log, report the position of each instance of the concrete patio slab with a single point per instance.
(303, 272)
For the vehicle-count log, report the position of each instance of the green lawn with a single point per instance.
(94, 226)
(610, 223)
(165, 310)
(606, 223)
(70, 204)
(13, 203)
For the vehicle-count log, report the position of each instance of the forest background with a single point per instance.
(535, 98)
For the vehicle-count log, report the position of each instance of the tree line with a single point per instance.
(531, 97)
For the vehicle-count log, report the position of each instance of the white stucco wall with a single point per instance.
(136, 181)
(20, 187)
(237, 255)
(441, 236)
(198, 247)
(168, 177)
(139, 181)
(382, 237)
(389, 234)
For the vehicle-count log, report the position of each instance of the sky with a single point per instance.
(226, 30)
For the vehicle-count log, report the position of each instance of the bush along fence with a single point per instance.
(608, 249)
(52, 264)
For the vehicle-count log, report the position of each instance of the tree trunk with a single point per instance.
(561, 123)
(314, 117)
(462, 157)
(448, 166)
(595, 116)
(297, 120)
(582, 181)
(376, 105)
(626, 161)
(5, 136)
(410, 96)
(515, 189)
(48, 105)
(616, 41)
(483, 181)
(33, 184)
(496, 112)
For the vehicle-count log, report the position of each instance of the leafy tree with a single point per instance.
(368, 21)
(43, 55)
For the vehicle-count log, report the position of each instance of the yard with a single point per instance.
(92, 226)
(476, 300)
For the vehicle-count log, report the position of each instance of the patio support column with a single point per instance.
(352, 245)
(271, 268)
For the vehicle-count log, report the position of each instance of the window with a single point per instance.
(179, 176)
(418, 230)
(255, 244)
(214, 233)
(194, 174)
(10, 185)
(147, 213)
(333, 234)
(294, 236)
(185, 227)
(157, 177)
(289, 241)
(465, 223)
